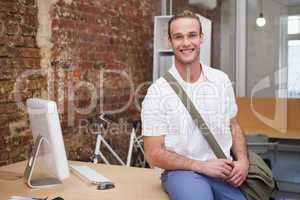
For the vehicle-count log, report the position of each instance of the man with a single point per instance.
(172, 141)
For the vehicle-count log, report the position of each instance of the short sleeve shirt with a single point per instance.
(163, 113)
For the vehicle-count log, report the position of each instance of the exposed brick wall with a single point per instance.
(89, 38)
(92, 38)
(18, 53)
(93, 42)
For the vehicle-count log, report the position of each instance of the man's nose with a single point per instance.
(186, 41)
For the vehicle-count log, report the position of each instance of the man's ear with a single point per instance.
(201, 38)
(169, 42)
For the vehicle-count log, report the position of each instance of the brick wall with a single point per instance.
(18, 53)
(103, 51)
(93, 56)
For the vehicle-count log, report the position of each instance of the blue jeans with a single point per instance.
(189, 185)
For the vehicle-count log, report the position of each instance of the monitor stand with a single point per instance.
(37, 183)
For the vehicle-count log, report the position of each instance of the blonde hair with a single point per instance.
(184, 14)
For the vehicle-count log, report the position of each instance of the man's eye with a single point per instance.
(193, 35)
(178, 37)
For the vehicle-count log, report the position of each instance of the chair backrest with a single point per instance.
(274, 117)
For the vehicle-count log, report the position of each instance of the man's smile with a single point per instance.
(187, 51)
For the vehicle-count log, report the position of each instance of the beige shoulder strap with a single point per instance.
(195, 115)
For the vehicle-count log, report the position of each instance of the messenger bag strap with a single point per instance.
(195, 115)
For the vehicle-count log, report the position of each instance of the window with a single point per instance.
(293, 56)
(293, 24)
(294, 68)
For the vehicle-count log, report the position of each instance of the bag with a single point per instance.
(259, 183)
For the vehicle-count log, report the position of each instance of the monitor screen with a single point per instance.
(44, 121)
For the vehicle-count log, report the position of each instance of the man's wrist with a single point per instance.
(244, 160)
(197, 166)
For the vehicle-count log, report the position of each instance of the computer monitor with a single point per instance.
(48, 143)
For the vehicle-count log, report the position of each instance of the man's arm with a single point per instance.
(158, 155)
(239, 149)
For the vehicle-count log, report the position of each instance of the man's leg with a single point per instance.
(186, 185)
(225, 191)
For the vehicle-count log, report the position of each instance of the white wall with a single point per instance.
(262, 45)
(228, 38)
(263, 48)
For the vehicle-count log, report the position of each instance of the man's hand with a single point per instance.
(238, 173)
(239, 149)
(219, 168)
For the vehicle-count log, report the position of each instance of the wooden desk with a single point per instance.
(131, 184)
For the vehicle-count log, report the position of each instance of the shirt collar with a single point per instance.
(206, 72)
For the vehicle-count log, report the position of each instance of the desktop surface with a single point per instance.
(130, 183)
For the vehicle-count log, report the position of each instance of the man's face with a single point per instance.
(185, 40)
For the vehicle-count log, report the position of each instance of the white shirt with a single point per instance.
(163, 113)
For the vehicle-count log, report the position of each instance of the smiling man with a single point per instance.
(173, 144)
